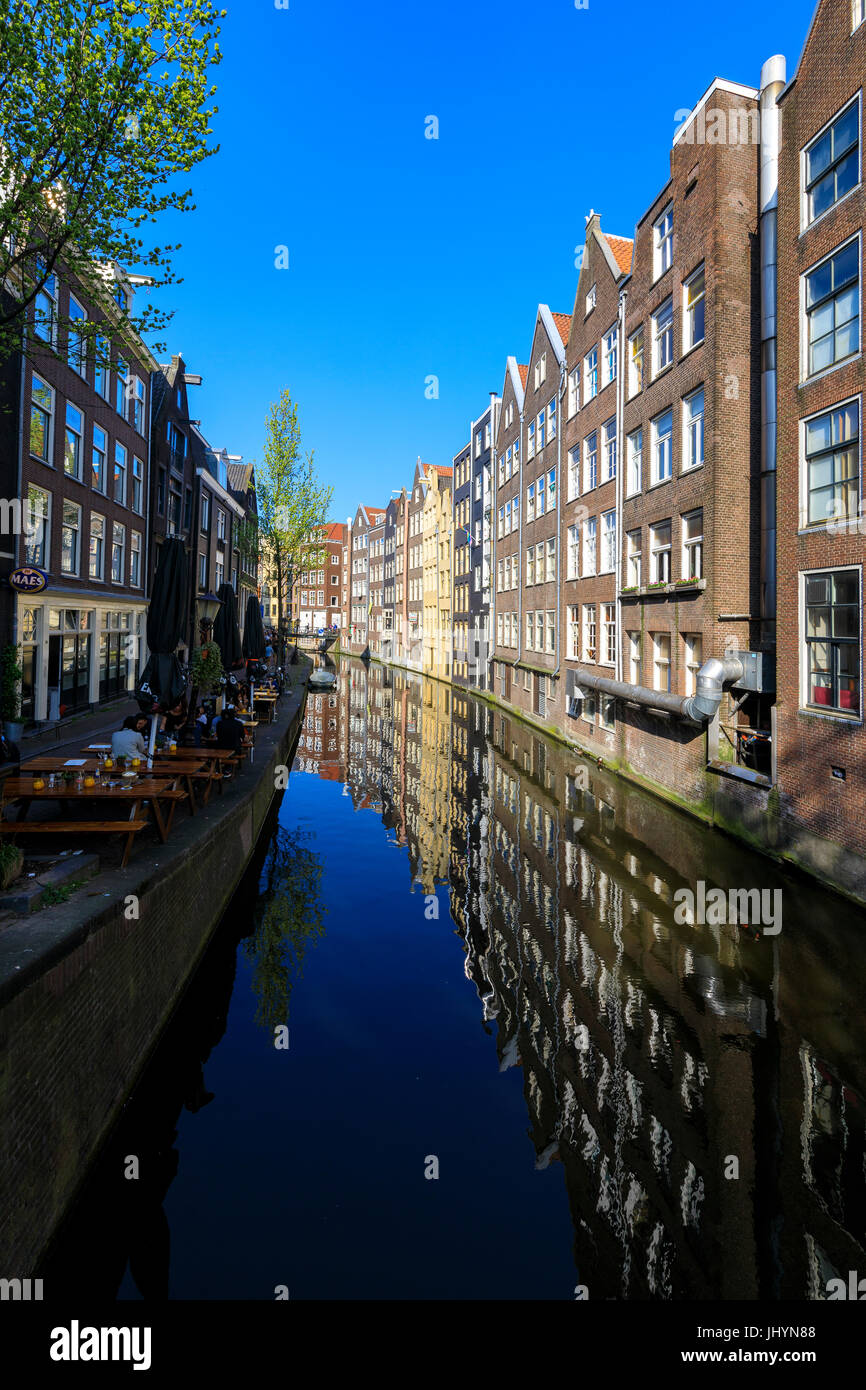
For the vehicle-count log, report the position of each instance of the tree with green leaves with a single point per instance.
(292, 503)
(289, 919)
(104, 107)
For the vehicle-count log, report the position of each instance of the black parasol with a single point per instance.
(225, 629)
(162, 680)
(254, 633)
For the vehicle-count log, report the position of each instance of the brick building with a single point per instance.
(414, 630)
(821, 741)
(473, 549)
(507, 599)
(317, 598)
(588, 536)
(83, 470)
(462, 583)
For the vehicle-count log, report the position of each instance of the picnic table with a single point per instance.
(161, 798)
(269, 698)
(187, 772)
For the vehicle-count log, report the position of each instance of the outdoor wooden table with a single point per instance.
(162, 769)
(155, 794)
(267, 698)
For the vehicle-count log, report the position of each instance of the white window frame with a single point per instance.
(805, 343)
(590, 462)
(76, 358)
(120, 448)
(608, 355)
(77, 434)
(115, 527)
(663, 242)
(663, 314)
(634, 462)
(638, 338)
(50, 412)
(607, 557)
(590, 374)
(693, 659)
(573, 391)
(661, 661)
(44, 513)
(67, 502)
(805, 219)
(573, 553)
(633, 558)
(100, 576)
(694, 431)
(695, 545)
(589, 547)
(690, 312)
(656, 474)
(608, 446)
(658, 549)
(837, 524)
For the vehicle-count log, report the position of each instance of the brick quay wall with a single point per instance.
(85, 991)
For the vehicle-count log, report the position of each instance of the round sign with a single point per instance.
(28, 579)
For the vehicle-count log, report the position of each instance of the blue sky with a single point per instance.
(411, 257)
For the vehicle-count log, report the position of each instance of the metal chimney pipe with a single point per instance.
(772, 82)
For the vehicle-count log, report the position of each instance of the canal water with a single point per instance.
(473, 1028)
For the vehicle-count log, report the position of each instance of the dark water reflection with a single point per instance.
(616, 1100)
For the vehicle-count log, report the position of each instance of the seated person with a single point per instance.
(174, 718)
(128, 740)
(230, 732)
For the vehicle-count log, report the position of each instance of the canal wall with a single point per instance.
(755, 815)
(87, 988)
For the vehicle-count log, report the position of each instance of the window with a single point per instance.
(662, 432)
(205, 511)
(661, 661)
(660, 553)
(573, 633)
(77, 341)
(608, 631)
(608, 435)
(590, 461)
(551, 489)
(694, 297)
(550, 561)
(609, 356)
(694, 647)
(540, 503)
(589, 632)
(221, 524)
(37, 540)
(635, 363)
(607, 712)
(551, 420)
(663, 337)
(608, 542)
(573, 473)
(135, 559)
(530, 631)
(693, 430)
(832, 163)
(832, 469)
(137, 404)
(589, 538)
(591, 299)
(573, 552)
(72, 443)
(101, 368)
(634, 662)
(508, 518)
(41, 416)
(160, 491)
(530, 502)
(45, 311)
(590, 375)
(69, 538)
(121, 387)
(98, 455)
(539, 563)
(632, 559)
(539, 630)
(118, 552)
(693, 545)
(663, 242)
(530, 565)
(138, 488)
(573, 391)
(119, 473)
(833, 309)
(634, 462)
(858, 13)
(97, 546)
(500, 530)
(832, 656)
(551, 631)
(540, 370)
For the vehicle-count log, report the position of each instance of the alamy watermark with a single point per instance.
(713, 907)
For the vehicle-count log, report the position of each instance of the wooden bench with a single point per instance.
(129, 828)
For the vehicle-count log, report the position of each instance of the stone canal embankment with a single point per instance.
(87, 987)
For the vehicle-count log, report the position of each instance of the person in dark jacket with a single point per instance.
(230, 732)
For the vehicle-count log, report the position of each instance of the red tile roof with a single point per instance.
(334, 531)
(563, 323)
(621, 246)
(523, 368)
(375, 511)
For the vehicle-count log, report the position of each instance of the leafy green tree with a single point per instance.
(292, 503)
(103, 107)
(289, 919)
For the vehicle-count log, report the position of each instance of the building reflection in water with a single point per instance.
(701, 1086)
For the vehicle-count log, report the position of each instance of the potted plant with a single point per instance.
(10, 692)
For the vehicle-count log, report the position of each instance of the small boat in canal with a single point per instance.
(323, 680)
